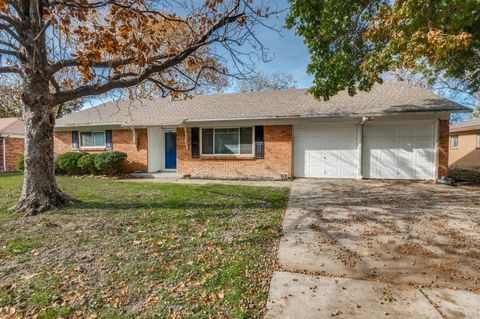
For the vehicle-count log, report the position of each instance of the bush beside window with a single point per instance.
(77, 163)
(109, 163)
(86, 164)
(68, 162)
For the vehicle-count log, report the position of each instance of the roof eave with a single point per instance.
(465, 129)
(61, 127)
(340, 115)
(13, 135)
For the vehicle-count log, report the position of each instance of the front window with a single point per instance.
(454, 141)
(478, 140)
(92, 139)
(227, 141)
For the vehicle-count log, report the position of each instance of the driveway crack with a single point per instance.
(434, 305)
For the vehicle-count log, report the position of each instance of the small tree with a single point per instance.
(263, 82)
(64, 50)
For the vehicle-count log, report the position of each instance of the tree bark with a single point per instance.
(40, 191)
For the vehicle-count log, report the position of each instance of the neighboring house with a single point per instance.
(465, 145)
(395, 131)
(12, 134)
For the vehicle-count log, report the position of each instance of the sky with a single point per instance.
(289, 53)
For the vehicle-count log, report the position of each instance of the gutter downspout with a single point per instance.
(364, 120)
(4, 155)
(134, 137)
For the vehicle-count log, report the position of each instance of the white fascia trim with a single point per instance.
(323, 116)
(7, 135)
(79, 126)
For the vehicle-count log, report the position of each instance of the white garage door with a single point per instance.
(399, 151)
(328, 151)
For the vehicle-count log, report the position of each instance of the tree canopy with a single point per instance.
(353, 43)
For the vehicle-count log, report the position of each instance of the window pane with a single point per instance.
(478, 140)
(246, 140)
(99, 138)
(86, 139)
(207, 141)
(454, 141)
(227, 141)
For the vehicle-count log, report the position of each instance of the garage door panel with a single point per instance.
(424, 130)
(400, 152)
(328, 151)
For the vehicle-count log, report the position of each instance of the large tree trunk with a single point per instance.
(40, 191)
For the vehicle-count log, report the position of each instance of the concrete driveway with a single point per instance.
(357, 249)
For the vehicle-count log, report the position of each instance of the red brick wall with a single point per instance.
(276, 164)
(1, 155)
(122, 140)
(62, 142)
(443, 131)
(137, 155)
(14, 147)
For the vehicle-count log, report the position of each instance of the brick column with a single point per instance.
(1, 155)
(443, 130)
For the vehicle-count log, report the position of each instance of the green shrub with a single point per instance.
(109, 162)
(20, 163)
(58, 170)
(86, 164)
(470, 175)
(68, 162)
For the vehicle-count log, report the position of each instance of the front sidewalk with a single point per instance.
(377, 249)
(177, 179)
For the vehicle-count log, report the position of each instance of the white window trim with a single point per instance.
(92, 147)
(252, 154)
(454, 147)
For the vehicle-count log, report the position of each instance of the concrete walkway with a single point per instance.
(374, 249)
(175, 178)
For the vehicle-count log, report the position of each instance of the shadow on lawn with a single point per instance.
(173, 204)
(208, 199)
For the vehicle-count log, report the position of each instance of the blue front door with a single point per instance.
(170, 150)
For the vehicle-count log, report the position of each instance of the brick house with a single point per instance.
(395, 131)
(12, 135)
(465, 145)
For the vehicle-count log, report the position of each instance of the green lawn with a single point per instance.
(140, 250)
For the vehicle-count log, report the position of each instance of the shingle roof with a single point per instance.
(12, 125)
(383, 99)
(465, 126)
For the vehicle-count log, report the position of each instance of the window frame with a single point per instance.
(104, 146)
(451, 141)
(251, 154)
(478, 139)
